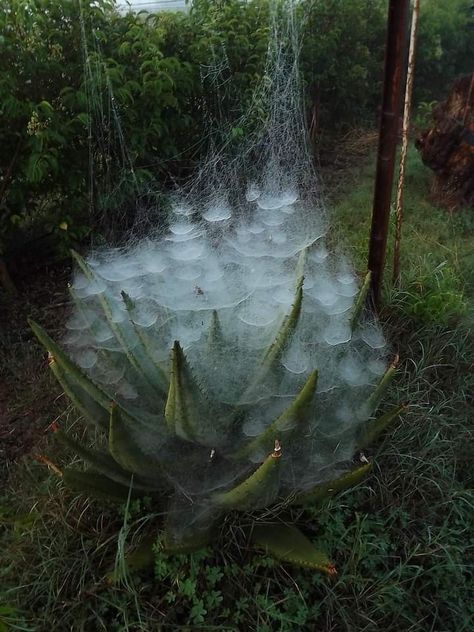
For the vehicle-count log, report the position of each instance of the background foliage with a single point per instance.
(175, 79)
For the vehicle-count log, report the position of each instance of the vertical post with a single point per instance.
(404, 149)
(388, 135)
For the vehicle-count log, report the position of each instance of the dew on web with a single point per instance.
(190, 252)
(218, 213)
(337, 333)
(253, 192)
(220, 275)
(182, 228)
(373, 337)
(86, 359)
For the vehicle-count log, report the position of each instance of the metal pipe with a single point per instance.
(388, 135)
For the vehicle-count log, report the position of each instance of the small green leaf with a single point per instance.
(83, 117)
(288, 544)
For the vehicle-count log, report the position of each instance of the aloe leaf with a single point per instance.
(96, 485)
(215, 340)
(327, 490)
(81, 400)
(68, 367)
(126, 438)
(300, 266)
(161, 377)
(74, 379)
(291, 419)
(360, 301)
(115, 327)
(275, 350)
(183, 410)
(288, 544)
(374, 428)
(258, 490)
(376, 397)
(287, 327)
(104, 463)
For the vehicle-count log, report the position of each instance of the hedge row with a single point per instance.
(159, 81)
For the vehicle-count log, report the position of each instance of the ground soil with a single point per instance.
(28, 395)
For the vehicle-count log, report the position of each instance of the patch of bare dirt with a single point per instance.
(28, 394)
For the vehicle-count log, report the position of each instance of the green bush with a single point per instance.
(155, 87)
(445, 46)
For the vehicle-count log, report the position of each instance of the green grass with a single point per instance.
(437, 247)
(402, 541)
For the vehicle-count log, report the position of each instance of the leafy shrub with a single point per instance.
(445, 46)
(153, 88)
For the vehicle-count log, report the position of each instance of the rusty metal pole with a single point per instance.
(389, 123)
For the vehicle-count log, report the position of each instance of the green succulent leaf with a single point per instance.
(376, 397)
(81, 399)
(130, 354)
(360, 301)
(287, 327)
(161, 379)
(215, 340)
(375, 427)
(103, 463)
(275, 350)
(291, 420)
(256, 491)
(287, 543)
(96, 485)
(126, 438)
(327, 490)
(184, 411)
(67, 367)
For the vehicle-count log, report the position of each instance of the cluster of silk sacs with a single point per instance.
(236, 263)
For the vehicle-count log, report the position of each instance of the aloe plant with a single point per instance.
(186, 448)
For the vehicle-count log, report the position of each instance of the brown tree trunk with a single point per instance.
(448, 146)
